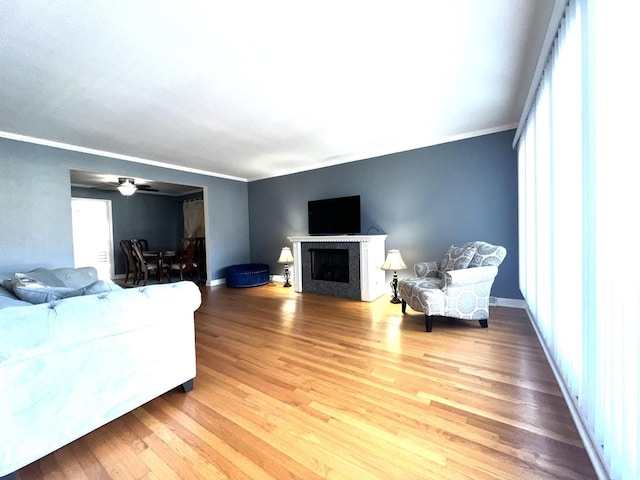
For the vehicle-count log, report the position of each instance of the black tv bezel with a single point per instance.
(339, 227)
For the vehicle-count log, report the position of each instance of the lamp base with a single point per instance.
(287, 275)
(394, 287)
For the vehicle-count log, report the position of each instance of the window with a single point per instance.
(579, 266)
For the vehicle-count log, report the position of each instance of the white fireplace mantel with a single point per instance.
(372, 255)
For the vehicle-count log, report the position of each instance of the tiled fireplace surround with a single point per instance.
(366, 255)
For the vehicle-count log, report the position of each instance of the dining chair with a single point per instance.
(144, 244)
(147, 266)
(186, 262)
(131, 264)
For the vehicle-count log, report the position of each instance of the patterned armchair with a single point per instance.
(459, 286)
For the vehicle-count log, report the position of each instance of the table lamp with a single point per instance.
(394, 262)
(286, 258)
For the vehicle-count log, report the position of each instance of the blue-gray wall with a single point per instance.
(156, 218)
(424, 200)
(35, 206)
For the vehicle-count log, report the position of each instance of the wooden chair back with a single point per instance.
(143, 266)
(186, 261)
(131, 263)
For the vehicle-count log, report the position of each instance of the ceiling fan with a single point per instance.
(127, 186)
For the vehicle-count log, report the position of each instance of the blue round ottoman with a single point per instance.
(247, 275)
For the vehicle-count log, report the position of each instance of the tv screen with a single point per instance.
(334, 216)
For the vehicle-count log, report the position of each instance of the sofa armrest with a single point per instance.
(469, 276)
(50, 327)
(427, 269)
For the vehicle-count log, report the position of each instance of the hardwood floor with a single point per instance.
(306, 386)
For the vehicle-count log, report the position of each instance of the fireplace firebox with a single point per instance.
(331, 265)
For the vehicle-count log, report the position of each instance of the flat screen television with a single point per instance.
(334, 216)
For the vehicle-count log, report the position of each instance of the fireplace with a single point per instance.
(331, 269)
(331, 265)
(345, 266)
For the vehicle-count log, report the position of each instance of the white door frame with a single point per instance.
(83, 231)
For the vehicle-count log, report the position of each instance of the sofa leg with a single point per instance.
(187, 386)
(428, 322)
(404, 306)
(484, 323)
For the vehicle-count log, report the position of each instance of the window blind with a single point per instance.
(579, 263)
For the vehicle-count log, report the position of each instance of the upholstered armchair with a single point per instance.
(459, 286)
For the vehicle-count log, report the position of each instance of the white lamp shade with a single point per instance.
(394, 261)
(127, 188)
(285, 256)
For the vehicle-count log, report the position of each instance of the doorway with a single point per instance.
(93, 235)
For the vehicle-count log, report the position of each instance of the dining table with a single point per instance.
(161, 256)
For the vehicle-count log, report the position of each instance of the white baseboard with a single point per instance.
(591, 448)
(494, 301)
(509, 302)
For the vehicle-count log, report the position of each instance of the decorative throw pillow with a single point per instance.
(4, 292)
(21, 280)
(9, 284)
(487, 255)
(46, 277)
(29, 289)
(45, 294)
(101, 286)
(457, 258)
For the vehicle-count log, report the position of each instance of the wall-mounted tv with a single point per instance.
(334, 216)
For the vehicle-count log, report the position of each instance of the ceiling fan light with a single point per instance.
(127, 187)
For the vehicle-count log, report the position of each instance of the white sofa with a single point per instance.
(69, 366)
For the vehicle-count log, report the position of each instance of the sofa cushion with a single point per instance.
(457, 258)
(6, 302)
(8, 299)
(76, 277)
(101, 286)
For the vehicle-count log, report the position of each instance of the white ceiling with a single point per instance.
(255, 89)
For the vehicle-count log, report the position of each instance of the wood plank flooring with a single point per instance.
(305, 386)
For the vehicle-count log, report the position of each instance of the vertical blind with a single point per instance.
(578, 167)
